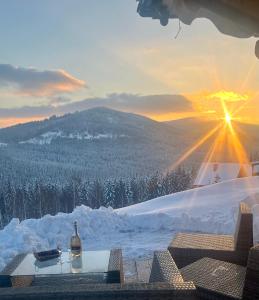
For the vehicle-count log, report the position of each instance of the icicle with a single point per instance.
(179, 30)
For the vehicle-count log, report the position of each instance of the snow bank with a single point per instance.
(138, 229)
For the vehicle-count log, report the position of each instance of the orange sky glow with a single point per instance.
(213, 106)
(207, 105)
(6, 122)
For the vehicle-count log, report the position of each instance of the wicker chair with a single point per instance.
(164, 269)
(187, 248)
(216, 279)
(251, 288)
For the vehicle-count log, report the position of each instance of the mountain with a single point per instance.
(195, 128)
(107, 144)
(96, 123)
(95, 143)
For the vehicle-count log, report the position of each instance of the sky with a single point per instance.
(58, 56)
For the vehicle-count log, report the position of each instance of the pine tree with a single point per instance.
(96, 194)
(110, 194)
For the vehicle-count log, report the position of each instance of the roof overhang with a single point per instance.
(232, 17)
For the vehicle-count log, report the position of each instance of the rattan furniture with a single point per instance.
(90, 267)
(165, 283)
(134, 291)
(251, 288)
(164, 269)
(187, 248)
(216, 279)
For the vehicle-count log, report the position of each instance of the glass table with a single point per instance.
(90, 267)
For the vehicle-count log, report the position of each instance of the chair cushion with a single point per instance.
(203, 241)
(215, 277)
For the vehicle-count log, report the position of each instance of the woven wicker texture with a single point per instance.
(187, 248)
(216, 279)
(164, 269)
(5, 278)
(251, 289)
(137, 291)
(9, 268)
(115, 268)
(243, 237)
(204, 241)
(68, 279)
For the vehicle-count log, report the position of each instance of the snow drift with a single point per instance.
(138, 229)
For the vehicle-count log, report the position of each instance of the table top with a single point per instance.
(87, 262)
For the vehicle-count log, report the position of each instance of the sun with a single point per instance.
(228, 118)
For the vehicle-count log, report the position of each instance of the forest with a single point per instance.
(36, 199)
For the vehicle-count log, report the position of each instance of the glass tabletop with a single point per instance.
(88, 262)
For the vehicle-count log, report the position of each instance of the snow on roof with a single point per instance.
(210, 173)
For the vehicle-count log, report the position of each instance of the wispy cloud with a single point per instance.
(34, 82)
(158, 107)
(59, 100)
(228, 96)
(151, 106)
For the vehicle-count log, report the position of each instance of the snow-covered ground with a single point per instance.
(48, 137)
(138, 229)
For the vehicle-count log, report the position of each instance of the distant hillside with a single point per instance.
(195, 128)
(89, 124)
(98, 142)
(104, 143)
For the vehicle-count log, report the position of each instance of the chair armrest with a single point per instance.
(164, 269)
(115, 268)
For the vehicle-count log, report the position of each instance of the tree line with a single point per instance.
(37, 199)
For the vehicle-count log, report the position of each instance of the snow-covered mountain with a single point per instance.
(85, 125)
(104, 143)
(138, 229)
(98, 142)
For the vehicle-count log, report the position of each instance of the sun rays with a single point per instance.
(226, 144)
(228, 118)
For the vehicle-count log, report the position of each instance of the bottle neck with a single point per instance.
(76, 231)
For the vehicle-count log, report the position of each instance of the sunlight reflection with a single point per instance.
(198, 144)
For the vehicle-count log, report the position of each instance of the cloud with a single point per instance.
(59, 100)
(33, 82)
(154, 106)
(158, 107)
(228, 96)
(151, 105)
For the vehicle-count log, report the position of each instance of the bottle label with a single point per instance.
(76, 248)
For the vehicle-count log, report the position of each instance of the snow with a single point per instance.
(48, 137)
(44, 139)
(210, 173)
(138, 229)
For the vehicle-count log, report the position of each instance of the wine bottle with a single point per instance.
(75, 244)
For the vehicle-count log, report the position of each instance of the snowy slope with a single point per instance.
(221, 197)
(138, 229)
